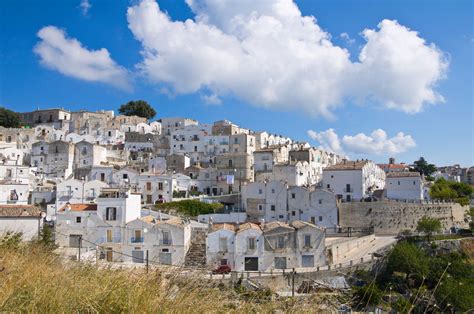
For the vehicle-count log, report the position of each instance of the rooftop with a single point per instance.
(402, 174)
(19, 211)
(348, 165)
(79, 207)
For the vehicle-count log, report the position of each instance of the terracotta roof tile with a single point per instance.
(19, 211)
(403, 174)
(80, 207)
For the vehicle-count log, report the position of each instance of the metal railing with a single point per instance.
(137, 240)
(166, 242)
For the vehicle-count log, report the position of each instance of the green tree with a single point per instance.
(428, 225)
(137, 108)
(368, 295)
(409, 259)
(9, 119)
(424, 168)
(449, 190)
(47, 237)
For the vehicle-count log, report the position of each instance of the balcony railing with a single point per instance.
(166, 242)
(137, 239)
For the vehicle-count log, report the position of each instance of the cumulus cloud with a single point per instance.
(377, 143)
(268, 54)
(85, 6)
(69, 57)
(328, 140)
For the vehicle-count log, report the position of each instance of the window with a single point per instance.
(273, 191)
(160, 185)
(223, 244)
(414, 183)
(398, 182)
(313, 220)
(293, 195)
(293, 213)
(320, 201)
(109, 235)
(272, 207)
(328, 186)
(320, 218)
(125, 176)
(230, 162)
(223, 261)
(280, 242)
(251, 243)
(260, 191)
(307, 240)
(148, 186)
(166, 238)
(260, 207)
(111, 213)
(332, 176)
(78, 220)
(307, 260)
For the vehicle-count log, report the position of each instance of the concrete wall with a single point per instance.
(28, 226)
(338, 250)
(389, 217)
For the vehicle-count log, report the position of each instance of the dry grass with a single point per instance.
(34, 280)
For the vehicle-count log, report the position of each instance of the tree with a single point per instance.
(9, 119)
(409, 259)
(424, 168)
(137, 108)
(428, 226)
(449, 190)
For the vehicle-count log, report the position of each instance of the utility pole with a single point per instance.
(79, 248)
(293, 283)
(146, 261)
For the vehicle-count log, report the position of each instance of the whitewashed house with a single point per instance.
(404, 186)
(88, 154)
(265, 200)
(353, 180)
(166, 240)
(75, 191)
(220, 245)
(24, 219)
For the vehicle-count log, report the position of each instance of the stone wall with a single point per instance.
(389, 217)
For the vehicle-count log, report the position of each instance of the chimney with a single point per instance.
(391, 160)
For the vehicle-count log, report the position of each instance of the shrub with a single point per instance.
(191, 207)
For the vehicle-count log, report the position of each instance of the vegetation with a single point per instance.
(448, 190)
(422, 277)
(9, 119)
(424, 168)
(137, 108)
(33, 279)
(428, 226)
(191, 207)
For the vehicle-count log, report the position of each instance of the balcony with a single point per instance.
(166, 242)
(137, 240)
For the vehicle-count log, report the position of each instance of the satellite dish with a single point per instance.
(48, 218)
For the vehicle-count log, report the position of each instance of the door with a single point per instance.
(280, 262)
(251, 264)
(137, 256)
(109, 236)
(102, 177)
(165, 258)
(74, 240)
(307, 261)
(109, 255)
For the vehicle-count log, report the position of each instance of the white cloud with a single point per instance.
(69, 57)
(377, 143)
(85, 6)
(269, 54)
(212, 99)
(328, 140)
(347, 38)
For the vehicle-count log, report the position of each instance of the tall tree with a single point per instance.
(137, 108)
(428, 225)
(424, 168)
(9, 119)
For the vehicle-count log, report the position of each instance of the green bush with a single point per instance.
(191, 207)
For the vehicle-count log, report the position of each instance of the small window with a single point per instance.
(293, 195)
(320, 218)
(78, 220)
(260, 191)
(398, 182)
(280, 242)
(414, 183)
(320, 201)
(260, 207)
(328, 186)
(111, 213)
(272, 207)
(307, 240)
(273, 191)
(125, 176)
(251, 243)
(293, 213)
(332, 176)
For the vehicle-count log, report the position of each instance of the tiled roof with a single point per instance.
(393, 166)
(276, 224)
(402, 174)
(248, 225)
(223, 226)
(348, 165)
(80, 207)
(19, 211)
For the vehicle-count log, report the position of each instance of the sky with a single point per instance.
(367, 78)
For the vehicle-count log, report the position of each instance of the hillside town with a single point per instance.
(101, 180)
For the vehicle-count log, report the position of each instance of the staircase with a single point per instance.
(196, 256)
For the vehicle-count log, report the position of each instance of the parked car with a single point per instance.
(223, 269)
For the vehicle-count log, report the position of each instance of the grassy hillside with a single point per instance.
(34, 280)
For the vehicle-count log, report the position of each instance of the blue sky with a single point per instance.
(442, 131)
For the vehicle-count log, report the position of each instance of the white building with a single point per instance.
(25, 219)
(353, 180)
(404, 186)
